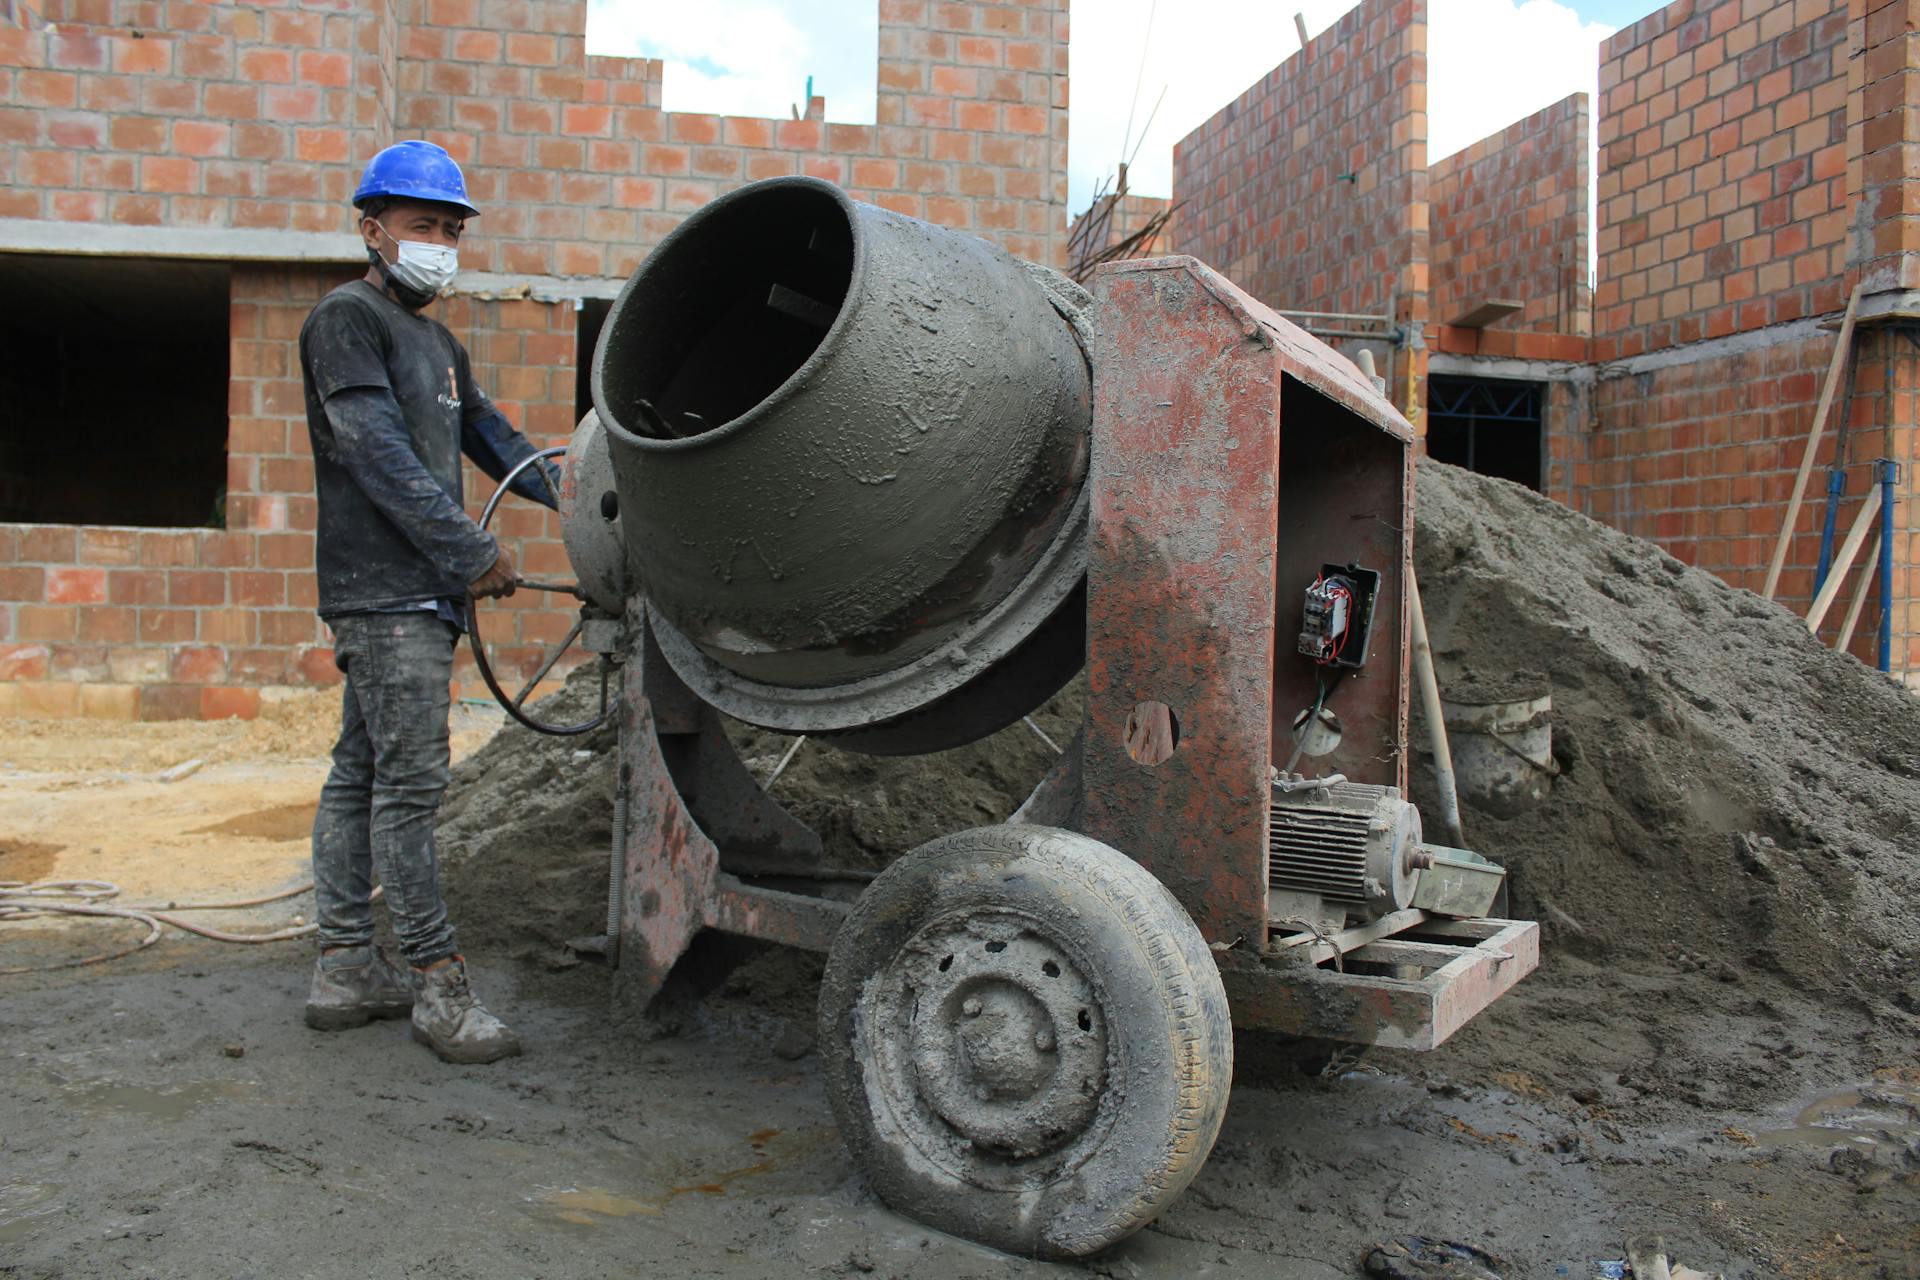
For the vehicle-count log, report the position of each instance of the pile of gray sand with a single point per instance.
(1726, 869)
(528, 820)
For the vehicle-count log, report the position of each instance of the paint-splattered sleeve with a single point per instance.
(370, 440)
(495, 446)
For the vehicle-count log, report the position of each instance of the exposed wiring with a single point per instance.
(22, 901)
(1300, 734)
(1337, 591)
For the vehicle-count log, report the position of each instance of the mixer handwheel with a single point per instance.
(1025, 1040)
(515, 706)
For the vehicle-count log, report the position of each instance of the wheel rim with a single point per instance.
(990, 1049)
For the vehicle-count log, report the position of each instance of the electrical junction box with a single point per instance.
(1337, 618)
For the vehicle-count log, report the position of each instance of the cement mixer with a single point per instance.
(862, 478)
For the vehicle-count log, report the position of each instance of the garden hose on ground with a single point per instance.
(22, 901)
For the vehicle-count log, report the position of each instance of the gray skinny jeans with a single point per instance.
(390, 768)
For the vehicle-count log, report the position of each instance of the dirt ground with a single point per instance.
(1720, 1046)
(169, 1115)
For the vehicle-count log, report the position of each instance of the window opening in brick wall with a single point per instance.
(1489, 425)
(591, 314)
(750, 57)
(113, 391)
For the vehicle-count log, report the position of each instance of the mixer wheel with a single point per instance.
(1025, 1040)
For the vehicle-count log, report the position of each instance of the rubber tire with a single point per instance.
(1169, 1037)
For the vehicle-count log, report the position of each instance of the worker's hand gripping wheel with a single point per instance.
(516, 706)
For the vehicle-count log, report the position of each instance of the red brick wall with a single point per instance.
(1309, 189)
(581, 171)
(1700, 457)
(1723, 171)
(238, 115)
(190, 622)
(204, 115)
(16, 13)
(1884, 141)
(1509, 220)
(246, 116)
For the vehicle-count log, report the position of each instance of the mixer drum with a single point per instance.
(850, 449)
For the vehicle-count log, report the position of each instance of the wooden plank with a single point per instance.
(1843, 561)
(1860, 591)
(1425, 954)
(1841, 347)
(1486, 311)
(1348, 939)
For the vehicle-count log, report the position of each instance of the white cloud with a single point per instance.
(1537, 53)
(749, 57)
(1204, 53)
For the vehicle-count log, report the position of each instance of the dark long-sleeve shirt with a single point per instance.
(391, 406)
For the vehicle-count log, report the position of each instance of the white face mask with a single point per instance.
(426, 267)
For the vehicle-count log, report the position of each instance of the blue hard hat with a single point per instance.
(414, 170)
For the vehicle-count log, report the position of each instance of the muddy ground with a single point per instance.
(1719, 1047)
(173, 1117)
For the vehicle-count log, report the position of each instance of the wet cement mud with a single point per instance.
(1719, 1047)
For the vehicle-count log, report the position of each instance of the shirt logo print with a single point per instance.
(450, 398)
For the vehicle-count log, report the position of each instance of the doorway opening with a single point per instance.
(589, 315)
(1490, 425)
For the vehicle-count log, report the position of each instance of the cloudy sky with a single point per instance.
(1490, 62)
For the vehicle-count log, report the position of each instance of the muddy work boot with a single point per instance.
(355, 985)
(449, 1019)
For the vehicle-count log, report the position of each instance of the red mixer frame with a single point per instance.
(1232, 457)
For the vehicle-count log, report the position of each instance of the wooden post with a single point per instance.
(1860, 591)
(1843, 560)
(1840, 350)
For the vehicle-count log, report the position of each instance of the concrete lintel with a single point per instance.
(1889, 307)
(223, 244)
(1713, 348)
(1487, 311)
(1508, 367)
(491, 285)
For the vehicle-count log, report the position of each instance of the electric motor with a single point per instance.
(1352, 847)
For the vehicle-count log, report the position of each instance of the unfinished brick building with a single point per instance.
(173, 182)
(174, 185)
(1757, 163)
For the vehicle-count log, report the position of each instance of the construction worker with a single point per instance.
(391, 406)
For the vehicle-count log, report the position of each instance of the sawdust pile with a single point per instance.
(1727, 869)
